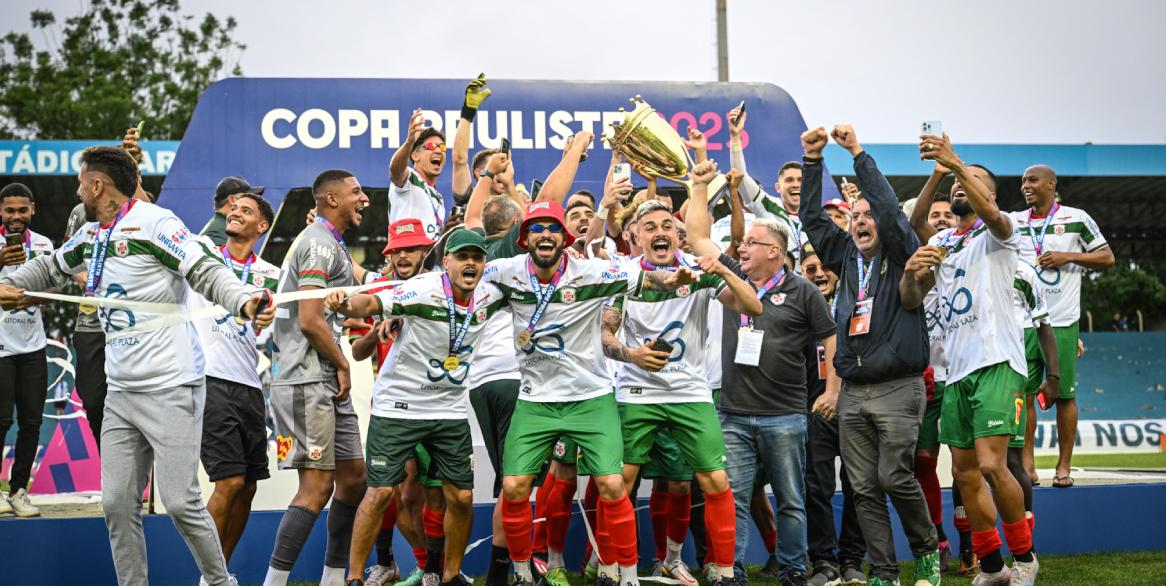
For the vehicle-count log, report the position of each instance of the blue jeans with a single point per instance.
(778, 445)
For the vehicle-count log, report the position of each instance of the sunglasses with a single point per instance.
(434, 146)
(540, 228)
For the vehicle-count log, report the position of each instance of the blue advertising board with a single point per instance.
(280, 133)
(63, 157)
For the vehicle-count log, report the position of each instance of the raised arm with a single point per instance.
(399, 164)
(736, 213)
(476, 93)
(923, 228)
(360, 305)
(897, 238)
(939, 150)
(497, 163)
(918, 278)
(699, 144)
(738, 296)
(558, 183)
(698, 221)
(830, 242)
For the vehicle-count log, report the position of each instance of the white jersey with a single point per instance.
(712, 343)
(417, 199)
(722, 233)
(976, 301)
(230, 347)
(1030, 306)
(936, 330)
(495, 357)
(22, 330)
(149, 257)
(413, 382)
(680, 318)
(565, 360)
(1069, 230)
(766, 206)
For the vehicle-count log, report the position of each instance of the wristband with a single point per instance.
(602, 213)
(488, 175)
(812, 160)
(468, 113)
(1056, 376)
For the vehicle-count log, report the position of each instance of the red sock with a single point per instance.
(962, 524)
(602, 534)
(620, 521)
(985, 542)
(558, 512)
(768, 535)
(389, 520)
(720, 521)
(591, 509)
(679, 515)
(540, 512)
(421, 555)
(516, 522)
(658, 507)
(434, 523)
(1031, 522)
(929, 482)
(1019, 537)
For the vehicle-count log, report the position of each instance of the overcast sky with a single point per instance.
(994, 71)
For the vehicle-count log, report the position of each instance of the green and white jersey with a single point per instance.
(766, 206)
(417, 199)
(150, 257)
(413, 382)
(22, 330)
(680, 318)
(229, 347)
(1069, 230)
(712, 343)
(936, 333)
(976, 301)
(565, 361)
(722, 233)
(1030, 307)
(494, 358)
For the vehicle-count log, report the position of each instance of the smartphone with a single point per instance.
(139, 127)
(741, 111)
(1042, 401)
(13, 239)
(931, 128)
(661, 346)
(505, 146)
(620, 171)
(536, 185)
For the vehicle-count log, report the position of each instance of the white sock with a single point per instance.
(724, 571)
(555, 559)
(275, 577)
(673, 554)
(594, 560)
(522, 570)
(628, 575)
(609, 570)
(332, 577)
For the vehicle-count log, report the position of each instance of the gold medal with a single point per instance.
(451, 363)
(943, 252)
(523, 339)
(88, 308)
(239, 320)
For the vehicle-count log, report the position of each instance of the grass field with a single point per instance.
(1149, 460)
(1126, 569)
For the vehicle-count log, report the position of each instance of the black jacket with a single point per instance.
(896, 345)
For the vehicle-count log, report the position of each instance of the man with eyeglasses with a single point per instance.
(566, 388)
(414, 191)
(763, 401)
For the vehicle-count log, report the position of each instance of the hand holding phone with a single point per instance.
(740, 111)
(661, 346)
(931, 128)
(505, 146)
(620, 172)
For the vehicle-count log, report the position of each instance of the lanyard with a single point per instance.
(746, 321)
(1038, 236)
(335, 234)
(231, 263)
(101, 248)
(541, 295)
(959, 238)
(647, 266)
(457, 335)
(865, 272)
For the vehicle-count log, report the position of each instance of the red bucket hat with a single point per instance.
(544, 210)
(836, 203)
(406, 233)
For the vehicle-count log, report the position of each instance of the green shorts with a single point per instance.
(566, 452)
(985, 403)
(537, 427)
(1017, 440)
(425, 474)
(678, 437)
(447, 444)
(1066, 338)
(929, 430)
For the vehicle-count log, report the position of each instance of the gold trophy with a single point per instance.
(645, 138)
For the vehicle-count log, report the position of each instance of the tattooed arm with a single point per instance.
(643, 356)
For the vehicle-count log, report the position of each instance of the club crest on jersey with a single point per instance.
(560, 449)
(683, 291)
(481, 315)
(315, 453)
(1059, 229)
(777, 298)
(121, 248)
(567, 295)
(283, 446)
(257, 280)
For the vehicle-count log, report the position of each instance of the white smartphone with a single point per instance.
(620, 171)
(931, 128)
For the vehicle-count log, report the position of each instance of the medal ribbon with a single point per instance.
(647, 266)
(101, 249)
(231, 263)
(865, 271)
(541, 295)
(746, 321)
(1038, 236)
(335, 234)
(457, 335)
(947, 240)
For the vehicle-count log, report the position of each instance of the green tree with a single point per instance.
(119, 62)
(1123, 290)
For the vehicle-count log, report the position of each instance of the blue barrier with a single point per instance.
(1122, 376)
(63, 552)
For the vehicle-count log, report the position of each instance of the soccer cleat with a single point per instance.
(555, 577)
(944, 556)
(1000, 578)
(414, 578)
(430, 579)
(826, 575)
(231, 581)
(5, 508)
(590, 573)
(877, 581)
(459, 580)
(794, 578)
(520, 581)
(927, 569)
(355, 582)
(657, 569)
(1024, 573)
(604, 580)
(22, 506)
(679, 571)
(969, 563)
(771, 570)
(853, 575)
(379, 575)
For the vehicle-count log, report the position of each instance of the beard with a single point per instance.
(547, 263)
(961, 207)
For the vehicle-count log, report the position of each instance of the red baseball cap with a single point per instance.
(544, 210)
(406, 233)
(837, 203)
